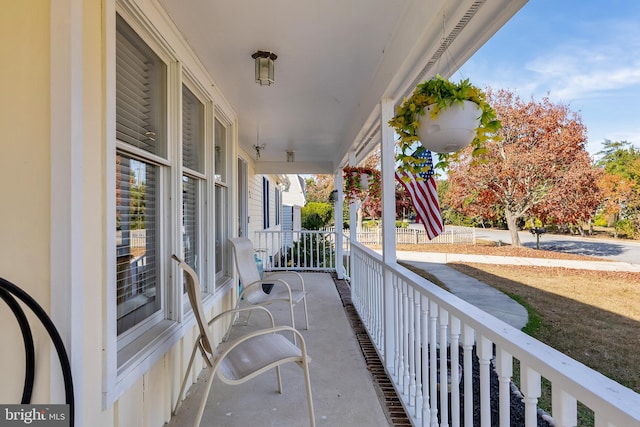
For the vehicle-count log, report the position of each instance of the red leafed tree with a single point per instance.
(537, 168)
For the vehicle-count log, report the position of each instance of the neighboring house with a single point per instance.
(293, 200)
(135, 130)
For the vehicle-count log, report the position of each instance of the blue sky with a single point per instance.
(584, 53)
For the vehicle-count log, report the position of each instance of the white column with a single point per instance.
(387, 157)
(388, 166)
(337, 214)
(67, 292)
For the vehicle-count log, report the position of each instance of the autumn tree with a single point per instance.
(371, 207)
(537, 167)
(620, 186)
(318, 188)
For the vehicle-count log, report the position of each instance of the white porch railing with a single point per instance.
(420, 330)
(406, 317)
(413, 236)
(309, 250)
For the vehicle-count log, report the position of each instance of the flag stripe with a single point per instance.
(425, 201)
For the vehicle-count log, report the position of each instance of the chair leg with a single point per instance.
(279, 379)
(205, 396)
(293, 322)
(306, 313)
(307, 381)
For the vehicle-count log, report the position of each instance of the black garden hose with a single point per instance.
(27, 337)
(8, 290)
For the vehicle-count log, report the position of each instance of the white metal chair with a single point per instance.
(246, 357)
(252, 290)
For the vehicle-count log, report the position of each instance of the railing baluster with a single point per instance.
(412, 342)
(468, 339)
(404, 360)
(504, 368)
(433, 368)
(565, 408)
(424, 360)
(417, 354)
(444, 368)
(484, 355)
(531, 389)
(455, 373)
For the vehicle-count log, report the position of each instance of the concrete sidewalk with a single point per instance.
(443, 258)
(486, 297)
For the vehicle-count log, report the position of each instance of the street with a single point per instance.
(613, 249)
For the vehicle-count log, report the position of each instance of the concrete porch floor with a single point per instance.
(344, 393)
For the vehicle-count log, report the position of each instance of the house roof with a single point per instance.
(336, 60)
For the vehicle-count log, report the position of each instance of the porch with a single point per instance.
(403, 315)
(344, 390)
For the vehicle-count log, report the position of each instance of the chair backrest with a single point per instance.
(246, 264)
(192, 283)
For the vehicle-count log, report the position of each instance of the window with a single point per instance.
(278, 204)
(222, 249)
(140, 130)
(169, 183)
(265, 203)
(193, 181)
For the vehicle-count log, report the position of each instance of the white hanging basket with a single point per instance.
(452, 130)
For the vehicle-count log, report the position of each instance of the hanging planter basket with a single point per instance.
(444, 117)
(361, 182)
(453, 129)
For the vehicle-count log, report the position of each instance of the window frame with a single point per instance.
(204, 179)
(125, 362)
(222, 184)
(164, 166)
(265, 203)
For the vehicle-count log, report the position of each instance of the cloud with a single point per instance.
(578, 68)
(581, 74)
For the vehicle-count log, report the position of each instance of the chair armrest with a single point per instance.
(276, 274)
(269, 282)
(238, 310)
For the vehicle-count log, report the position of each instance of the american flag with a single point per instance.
(423, 194)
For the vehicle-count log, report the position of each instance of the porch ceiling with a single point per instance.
(336, 60)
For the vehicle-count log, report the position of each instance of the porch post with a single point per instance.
(387, 157)
(353, 220)
(67, 246)
(337, 213)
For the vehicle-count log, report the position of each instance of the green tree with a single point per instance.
(316, 215)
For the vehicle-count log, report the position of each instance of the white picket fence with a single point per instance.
(413, 236)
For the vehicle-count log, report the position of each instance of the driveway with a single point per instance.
(613, 249)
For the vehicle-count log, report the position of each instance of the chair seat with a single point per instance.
(256, 354)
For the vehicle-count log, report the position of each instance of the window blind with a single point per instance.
(192, 131)
(140, 92)
(190, 221)
(137, 242)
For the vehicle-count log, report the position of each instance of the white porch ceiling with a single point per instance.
(336, 60)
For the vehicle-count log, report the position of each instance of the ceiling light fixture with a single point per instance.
(264, 67)
(291, 156)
